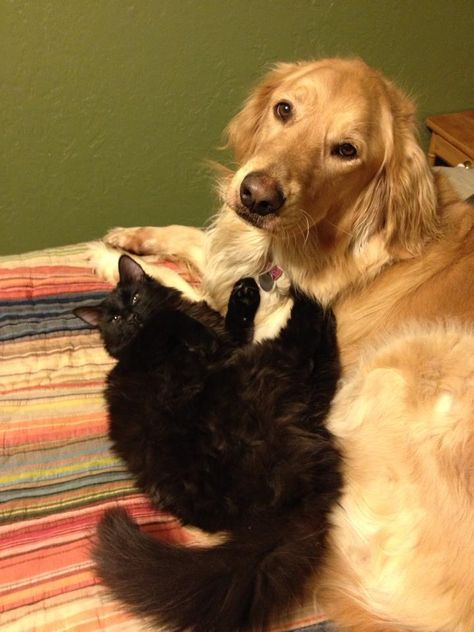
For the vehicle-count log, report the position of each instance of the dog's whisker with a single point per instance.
(308, 219)
(342, 230)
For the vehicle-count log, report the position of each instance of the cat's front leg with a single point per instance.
(311, 327)
(307, 314)
(242, 307)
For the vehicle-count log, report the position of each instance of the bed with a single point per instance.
(57, 472)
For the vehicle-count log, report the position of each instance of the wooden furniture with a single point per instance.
(452, 138)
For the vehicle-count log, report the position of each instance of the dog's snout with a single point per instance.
(261, 193)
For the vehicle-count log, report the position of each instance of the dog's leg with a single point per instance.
(185, 243)
(104, 260)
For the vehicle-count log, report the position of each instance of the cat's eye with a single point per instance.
(283, 110)
(135, 298)
(347, 151)
(116, 317)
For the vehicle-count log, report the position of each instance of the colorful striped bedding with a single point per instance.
(57, 472)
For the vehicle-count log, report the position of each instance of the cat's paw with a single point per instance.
(242, 307)
(245, 297)
(141, 240)
(104, 261)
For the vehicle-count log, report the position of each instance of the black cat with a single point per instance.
(226, 435)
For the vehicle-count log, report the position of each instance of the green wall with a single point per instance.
(109, 107)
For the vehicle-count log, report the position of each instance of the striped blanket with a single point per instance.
(57, 472)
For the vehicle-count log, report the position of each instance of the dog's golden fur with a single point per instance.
(402, 546)
(383, 242)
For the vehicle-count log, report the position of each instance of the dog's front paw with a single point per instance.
(139, 240)
(104, 261)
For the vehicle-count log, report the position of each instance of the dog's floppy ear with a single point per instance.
(401, 201)
(243, 129)
(412, 203)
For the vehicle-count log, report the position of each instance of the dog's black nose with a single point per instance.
(261, 194)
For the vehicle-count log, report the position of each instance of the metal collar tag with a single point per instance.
(267, 280)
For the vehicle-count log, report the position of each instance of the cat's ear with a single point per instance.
(90, 315)
(130, 270)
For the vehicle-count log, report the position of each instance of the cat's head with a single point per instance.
(121, 315)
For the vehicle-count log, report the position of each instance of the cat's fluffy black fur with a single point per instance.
(226, 436)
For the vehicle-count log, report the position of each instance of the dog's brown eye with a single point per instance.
(345, 150)
(283, 111)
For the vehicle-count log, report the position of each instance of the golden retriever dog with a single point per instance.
(333, 192)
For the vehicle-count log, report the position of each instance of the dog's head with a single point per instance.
(331, 143)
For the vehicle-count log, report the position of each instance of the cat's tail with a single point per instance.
(241, 584)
